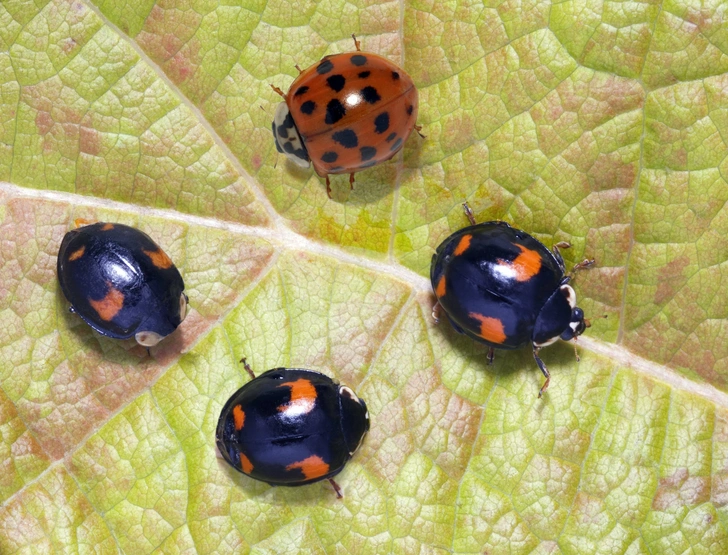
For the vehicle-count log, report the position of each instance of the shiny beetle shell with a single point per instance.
(291, 427)
(351, 111)
(121, 283)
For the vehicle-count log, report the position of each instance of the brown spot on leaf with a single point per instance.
(670, 279)
(90, 141)
(680, 490)
(44, 122)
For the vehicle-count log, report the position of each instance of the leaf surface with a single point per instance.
(598, 123)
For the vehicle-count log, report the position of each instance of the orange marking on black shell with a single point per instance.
(107, 227)
(525, 265)
(463, 245)
(110, 305)
(159, 258)
(239, 416)
(491, 329)
(312, 467)
(441, 287)
(303, 397)
(245, 464)
(78, 253)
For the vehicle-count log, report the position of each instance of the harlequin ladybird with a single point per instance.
(346, 113)
(120, 282)
(290, 427)
(500, 286)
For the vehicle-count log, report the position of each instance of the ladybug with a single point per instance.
(120, 282)
(500, 286)
(291, 427)
(346, 113)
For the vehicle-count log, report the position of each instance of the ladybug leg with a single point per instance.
(328, 186)
(436, 312)
(557, 253)
(357, 44)
(544, 370)
(469, 213)
(247, 367)
(300, 71)
(337, 489)
(576, 353)
(418, 128)
(279, 91)
(491, 355)
(351, 181)
(583, 265)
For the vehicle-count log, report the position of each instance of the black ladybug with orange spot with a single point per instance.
(502, 287)
(120, 282)
(291, 427)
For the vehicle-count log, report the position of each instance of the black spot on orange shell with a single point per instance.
(365, 74)
(329, 157)
(336, 82)
(395, 75)
(409, 110)
(358, 60)
(370, 94)
(308, 107)
(301, 90)
(367, 153)
(346, 138)
(334, 111)
(390, 137)
(396, 145)
(381, 123)
(324, 67)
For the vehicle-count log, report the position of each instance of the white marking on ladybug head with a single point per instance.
(570, 295)
(148, 338)
(546, 343)
(288, 140)
(182, 307)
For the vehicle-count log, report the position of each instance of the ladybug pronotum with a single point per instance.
(291, 427)
(345, 114)
(500, 286)
(120, 282)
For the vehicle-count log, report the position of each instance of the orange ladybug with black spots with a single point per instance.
(291, 427)
(120, 282)
(500, 286)
(347, 113)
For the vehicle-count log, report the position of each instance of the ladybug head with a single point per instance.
(577, 325)
(354, 418)
(288, 140)
(157, 327)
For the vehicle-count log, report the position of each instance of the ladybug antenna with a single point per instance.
(247, 367)
(300, 71)
(357, 44)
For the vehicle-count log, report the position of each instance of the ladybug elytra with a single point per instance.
(291, 427)
(502, 287)
(120, 282)
(346, 113)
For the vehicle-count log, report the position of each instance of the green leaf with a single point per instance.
(599, 123)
